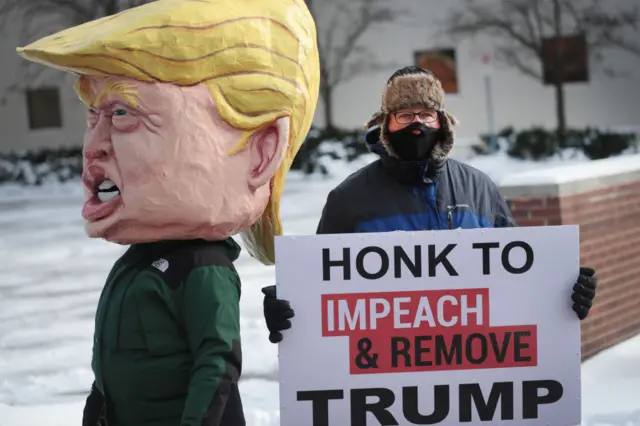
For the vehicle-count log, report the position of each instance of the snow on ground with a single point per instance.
(51, 276)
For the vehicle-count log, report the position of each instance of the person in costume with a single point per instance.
(196, 109)
(414, 185)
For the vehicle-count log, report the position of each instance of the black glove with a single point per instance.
(584, 290)
(277, 313)
(93, 414)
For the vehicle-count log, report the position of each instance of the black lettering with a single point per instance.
(360, 406)
(400, 257)
(441, 349)
(484, 352)
(396, 352)
(441, 257)
(500, 392)
(531, 399)
(518, 346)
(441, 405)
(506, 263)
(501, 353)
(419, 350)
(320, 404)
(327, 264)
(486, 256)
(384, 263)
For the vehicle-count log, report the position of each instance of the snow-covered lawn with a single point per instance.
(51, 276)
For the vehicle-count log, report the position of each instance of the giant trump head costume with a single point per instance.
(196, 109)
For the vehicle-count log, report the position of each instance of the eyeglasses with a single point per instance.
(424, 116)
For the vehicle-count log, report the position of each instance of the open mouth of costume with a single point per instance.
(107, 190)
(105, 200)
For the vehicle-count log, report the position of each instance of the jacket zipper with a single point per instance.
(111, 284)
(435, 209)
(101, 314)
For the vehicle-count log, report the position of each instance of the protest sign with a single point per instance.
(446, 327)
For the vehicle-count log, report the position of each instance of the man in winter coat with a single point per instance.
(195, 112)
(413, 185)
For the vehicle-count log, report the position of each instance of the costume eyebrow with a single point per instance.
(125, 91)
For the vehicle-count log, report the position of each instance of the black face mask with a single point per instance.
(411, 147)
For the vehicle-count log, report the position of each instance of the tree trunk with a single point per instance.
(327, 100)
(560, 115)
(558, 78)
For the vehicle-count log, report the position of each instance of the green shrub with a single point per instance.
(36, 166)
(335, 144)
(538, 143)
(533, 144)
(597, 145)
(487, 146)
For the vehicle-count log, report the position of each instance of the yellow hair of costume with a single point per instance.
(259, 59)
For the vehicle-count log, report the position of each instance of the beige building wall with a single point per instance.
(518, 101)
(15, 132)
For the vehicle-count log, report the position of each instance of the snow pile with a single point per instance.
(52, 276)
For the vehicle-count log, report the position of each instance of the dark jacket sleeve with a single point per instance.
(335, 218)
(502, 214)
(212, 323)
(93, 414)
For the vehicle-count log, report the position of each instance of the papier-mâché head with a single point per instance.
(258, 62)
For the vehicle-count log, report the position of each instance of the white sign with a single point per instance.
(486, 63)
(479, 321)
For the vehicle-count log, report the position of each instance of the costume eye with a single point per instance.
(123, 120)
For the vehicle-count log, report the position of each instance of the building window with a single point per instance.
(43, 106)
(442, 63)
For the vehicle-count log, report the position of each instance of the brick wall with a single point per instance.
(603, 198)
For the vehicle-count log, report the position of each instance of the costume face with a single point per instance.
(197, 110)
(157, 164)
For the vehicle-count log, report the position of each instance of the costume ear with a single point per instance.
(267, 148)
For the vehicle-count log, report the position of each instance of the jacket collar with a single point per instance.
(160, 248)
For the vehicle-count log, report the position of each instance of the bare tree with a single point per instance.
(624, 37)
(521, 29)
(341, 28)
(42, 17)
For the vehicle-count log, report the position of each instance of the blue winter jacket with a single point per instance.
(393, 195)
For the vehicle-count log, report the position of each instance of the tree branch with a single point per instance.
(6, 10)
(368, 15)
(524, 12)
(325, 47)
(537, 16)
(619, 30)
(495, 22)
(365, 64)
(43, 17)
(342, 57)
(623, 44)
(510, 57)
(521, 26)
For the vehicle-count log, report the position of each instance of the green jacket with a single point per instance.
(167, 336)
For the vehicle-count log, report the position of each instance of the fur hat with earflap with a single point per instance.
(411, 87)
